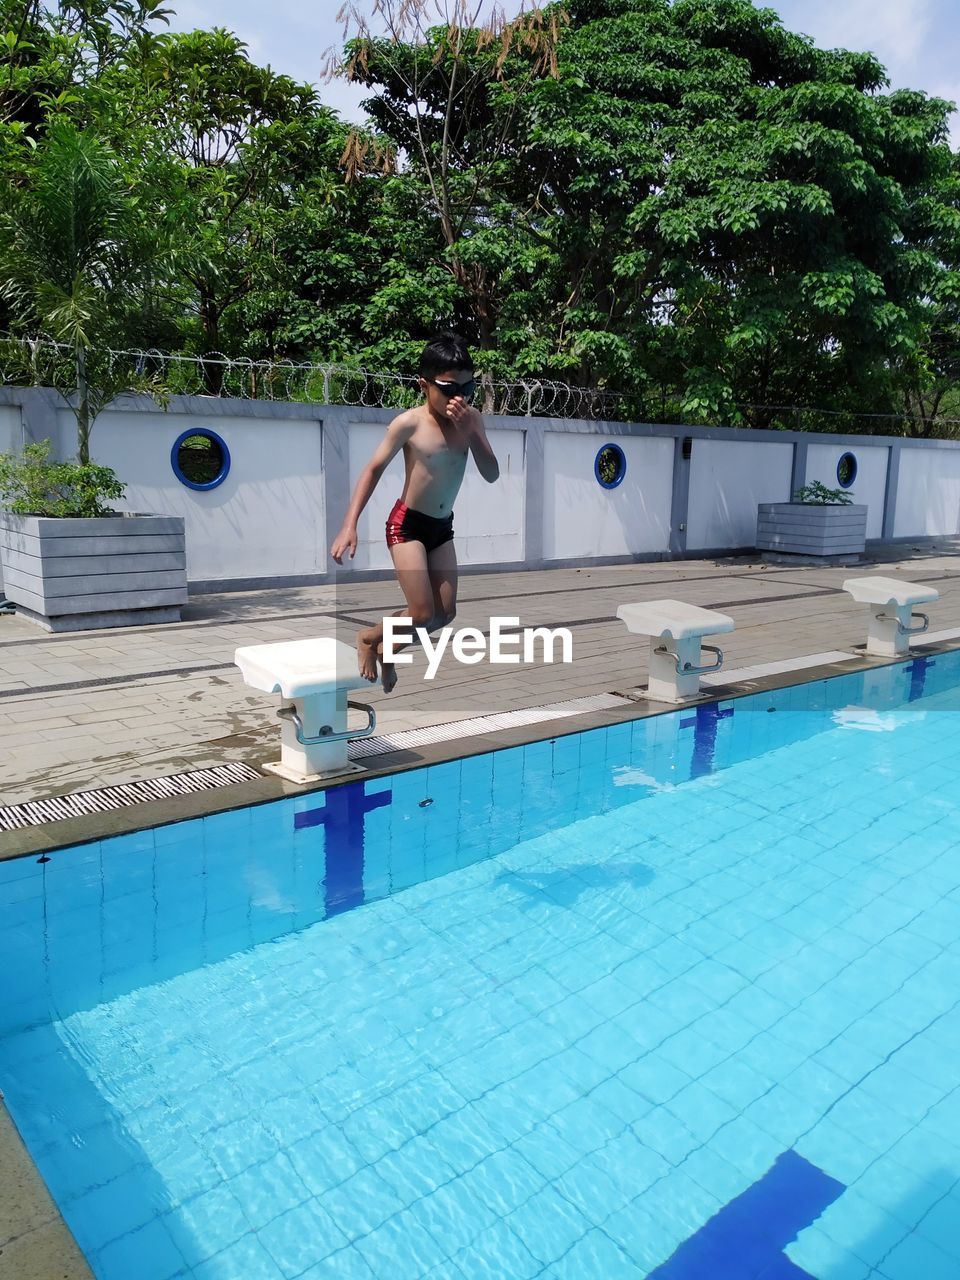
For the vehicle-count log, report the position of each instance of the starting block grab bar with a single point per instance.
(688, 668)
(902, 628)
(326, 732)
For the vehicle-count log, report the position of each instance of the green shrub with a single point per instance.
(33, 485)
(817, 494)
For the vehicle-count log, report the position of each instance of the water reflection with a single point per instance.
(566, 885)
(342, 813)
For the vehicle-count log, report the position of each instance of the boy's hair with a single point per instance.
(444, 352)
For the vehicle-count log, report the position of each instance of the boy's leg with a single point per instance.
(410, 562)
(441, 572)
(444, 573)
(442, 580)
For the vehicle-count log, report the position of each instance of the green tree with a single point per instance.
(449, 99)
(730, 209)
(221, 138)
(362, 284)
(50, 57)
(81, 265)
(679, 197)
(928, 377)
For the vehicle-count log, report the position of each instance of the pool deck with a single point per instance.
(102, 707)
(96, 708)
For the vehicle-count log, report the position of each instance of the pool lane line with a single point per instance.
(489, 722)
(747, 1237)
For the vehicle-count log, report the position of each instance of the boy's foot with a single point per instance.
(388, 676)
(366, 657)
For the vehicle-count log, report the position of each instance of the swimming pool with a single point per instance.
(678, 998)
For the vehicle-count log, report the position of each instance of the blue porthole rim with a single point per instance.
(848, 460)
(175, 458)
(621, 469)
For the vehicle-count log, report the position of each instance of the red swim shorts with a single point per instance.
(406, 525)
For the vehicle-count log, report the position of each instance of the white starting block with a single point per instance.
(676, 632)
(315, 677)
(891, 602)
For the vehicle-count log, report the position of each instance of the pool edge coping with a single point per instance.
(90, 828)
(44, 1245)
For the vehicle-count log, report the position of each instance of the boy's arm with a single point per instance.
(483, 454)
(398, 433)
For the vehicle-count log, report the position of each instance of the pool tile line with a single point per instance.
(104, 682)
(382, 744)
(938, 637)
(738, 674)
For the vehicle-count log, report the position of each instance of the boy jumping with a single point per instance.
(435, 438)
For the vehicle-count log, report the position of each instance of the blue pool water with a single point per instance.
(679, 999)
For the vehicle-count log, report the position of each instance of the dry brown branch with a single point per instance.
(440, 58)
(363, 154)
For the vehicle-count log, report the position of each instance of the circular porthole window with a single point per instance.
(200, 459)
(846, 470)
(610, 466)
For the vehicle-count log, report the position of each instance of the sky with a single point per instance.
(916, 40)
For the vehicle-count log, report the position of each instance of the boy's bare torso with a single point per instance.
(435, 457)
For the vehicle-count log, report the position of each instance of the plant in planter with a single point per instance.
(820, 524)
(80, 266)
(69, 561)
(33, 485)
(816, 494)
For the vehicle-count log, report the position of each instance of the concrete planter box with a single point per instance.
(811, 530)
(116, 571)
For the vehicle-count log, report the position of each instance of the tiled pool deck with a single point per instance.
(99, 708)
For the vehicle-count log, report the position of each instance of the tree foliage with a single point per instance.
(81, 264)
(677, 198)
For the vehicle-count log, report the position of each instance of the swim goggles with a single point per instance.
(451, 389)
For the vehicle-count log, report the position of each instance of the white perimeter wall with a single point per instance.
(581, 518)
(267, 518)
(928, 493)
(728, 479)
(9, 429)
(487, 520)
(870, 484)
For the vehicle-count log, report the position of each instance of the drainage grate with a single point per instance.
(381, 744)
(103, 799)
